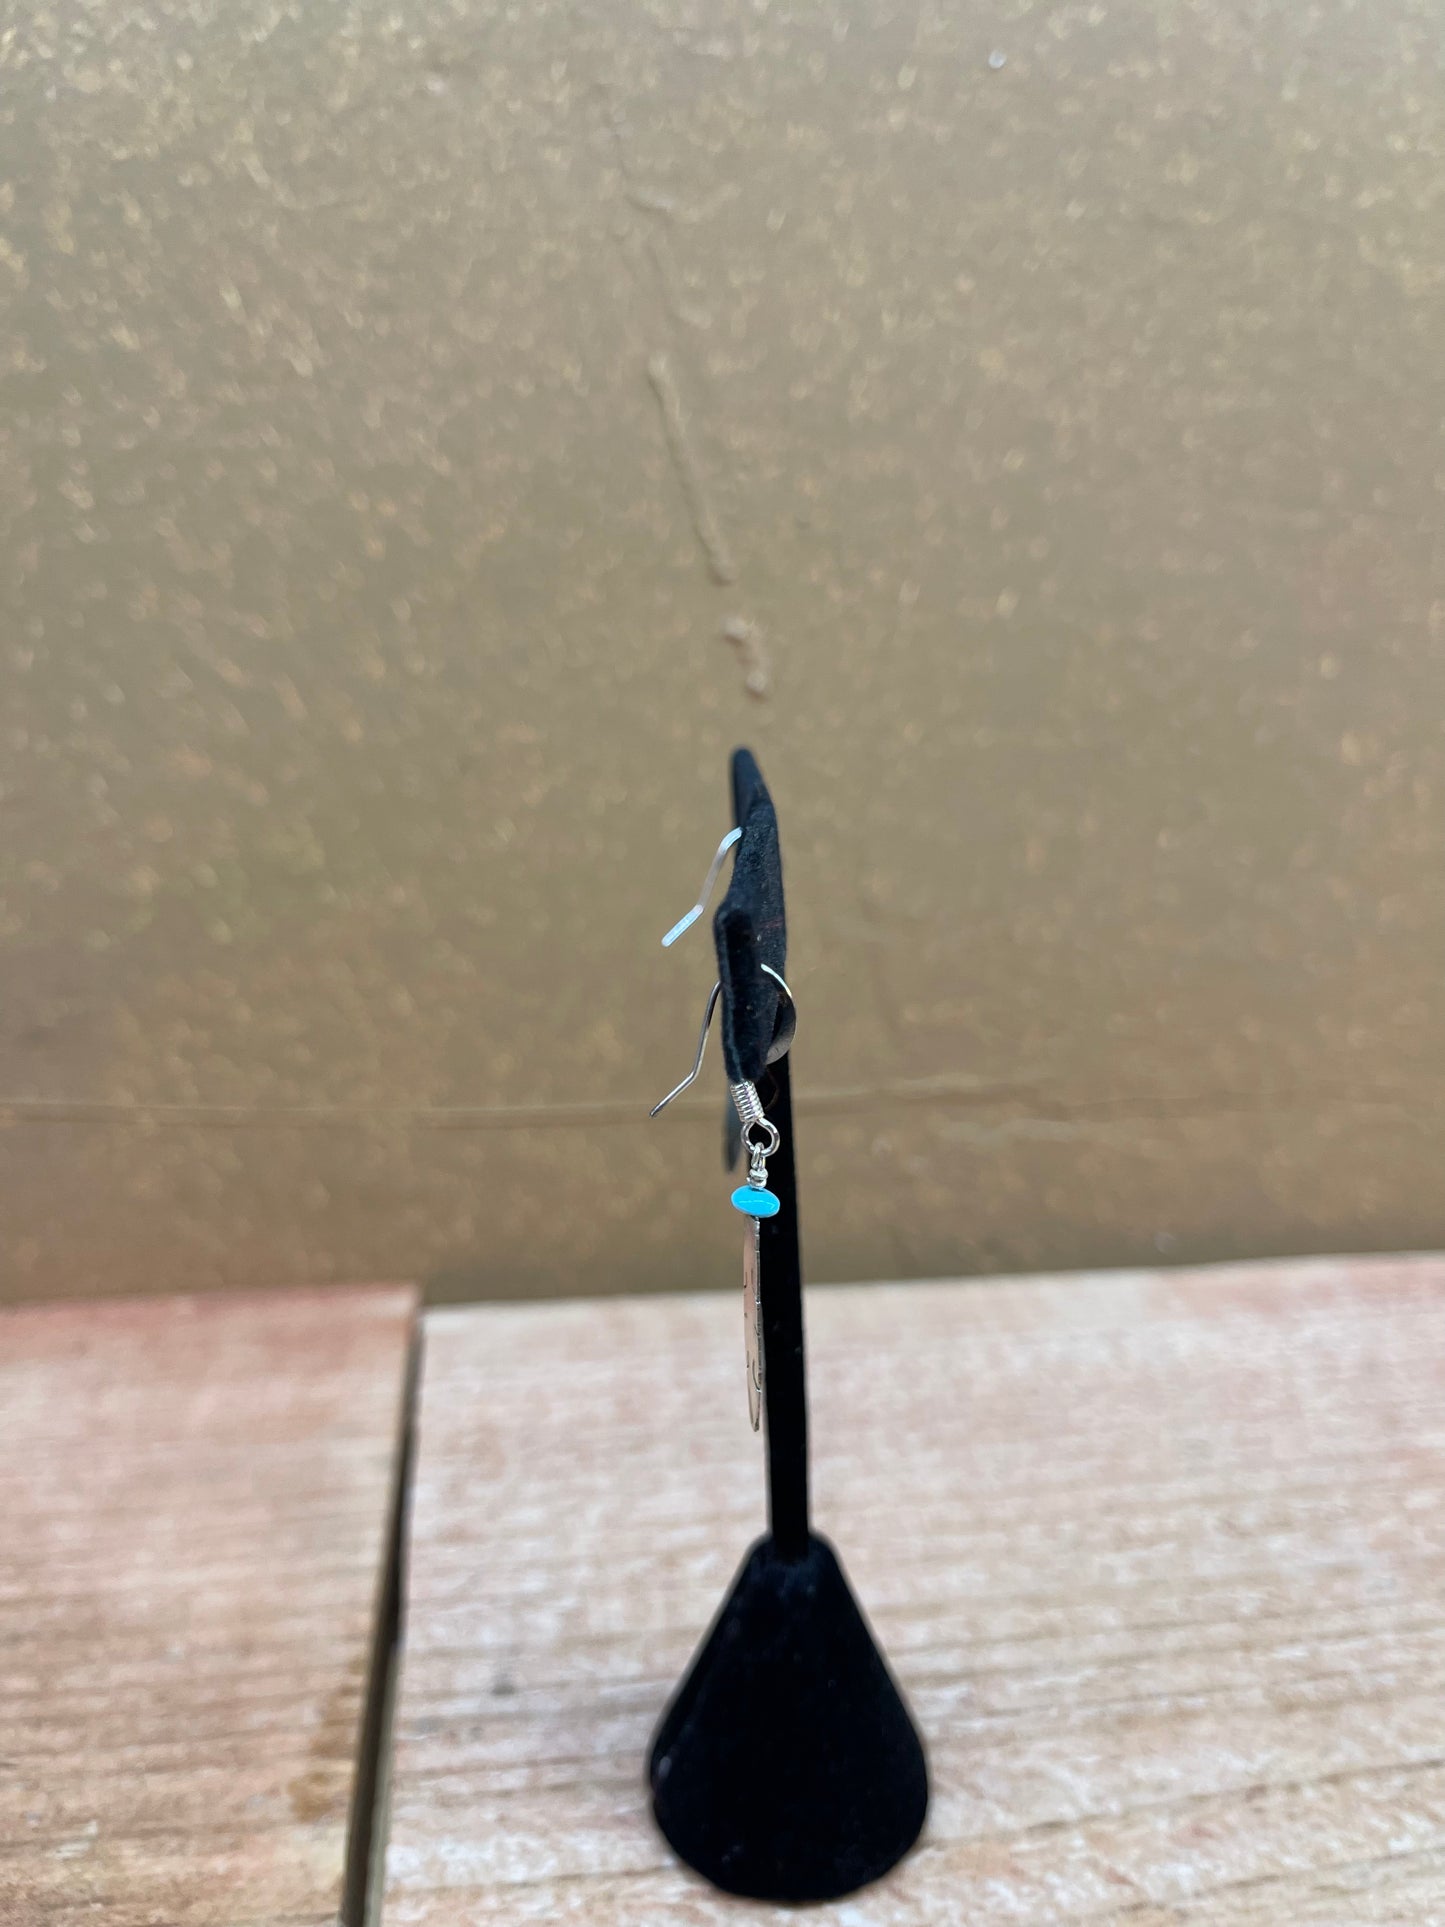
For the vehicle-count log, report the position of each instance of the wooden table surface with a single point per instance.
(1159, 1559)
(195, 1499)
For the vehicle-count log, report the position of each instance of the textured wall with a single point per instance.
(434, 433)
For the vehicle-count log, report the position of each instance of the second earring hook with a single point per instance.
(712, 1003)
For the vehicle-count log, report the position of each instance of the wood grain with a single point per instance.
(196, 1496)
(1159, 1558)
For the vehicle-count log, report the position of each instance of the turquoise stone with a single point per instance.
(757, 1203)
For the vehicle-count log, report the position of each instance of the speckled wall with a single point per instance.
(434, 433)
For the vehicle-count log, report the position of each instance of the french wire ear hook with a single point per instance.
(781, 982)
(686, 923)
(712, 999)
(678, 1089)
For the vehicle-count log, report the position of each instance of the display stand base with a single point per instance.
(786, 1766)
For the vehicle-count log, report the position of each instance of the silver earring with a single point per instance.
(761, 1139)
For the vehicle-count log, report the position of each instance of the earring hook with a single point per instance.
(678, 1089)
(686, 923)
(712, 999)
(781, 982)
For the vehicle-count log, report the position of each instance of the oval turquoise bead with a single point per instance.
(756, 1202)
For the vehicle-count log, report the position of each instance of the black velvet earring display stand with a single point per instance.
(786, 1766)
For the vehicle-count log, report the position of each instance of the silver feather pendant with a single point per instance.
(753, 1318)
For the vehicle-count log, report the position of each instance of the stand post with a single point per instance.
(785, 1392)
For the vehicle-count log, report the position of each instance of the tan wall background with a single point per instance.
(400, 403)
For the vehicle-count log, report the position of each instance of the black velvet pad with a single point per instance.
(750, 930)
(787, 1767)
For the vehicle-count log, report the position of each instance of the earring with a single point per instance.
(686, 923)
(761, 1139)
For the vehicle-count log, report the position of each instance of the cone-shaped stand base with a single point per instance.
(786, 1766)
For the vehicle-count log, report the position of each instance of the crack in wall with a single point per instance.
(743, 635)
(711, 540)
